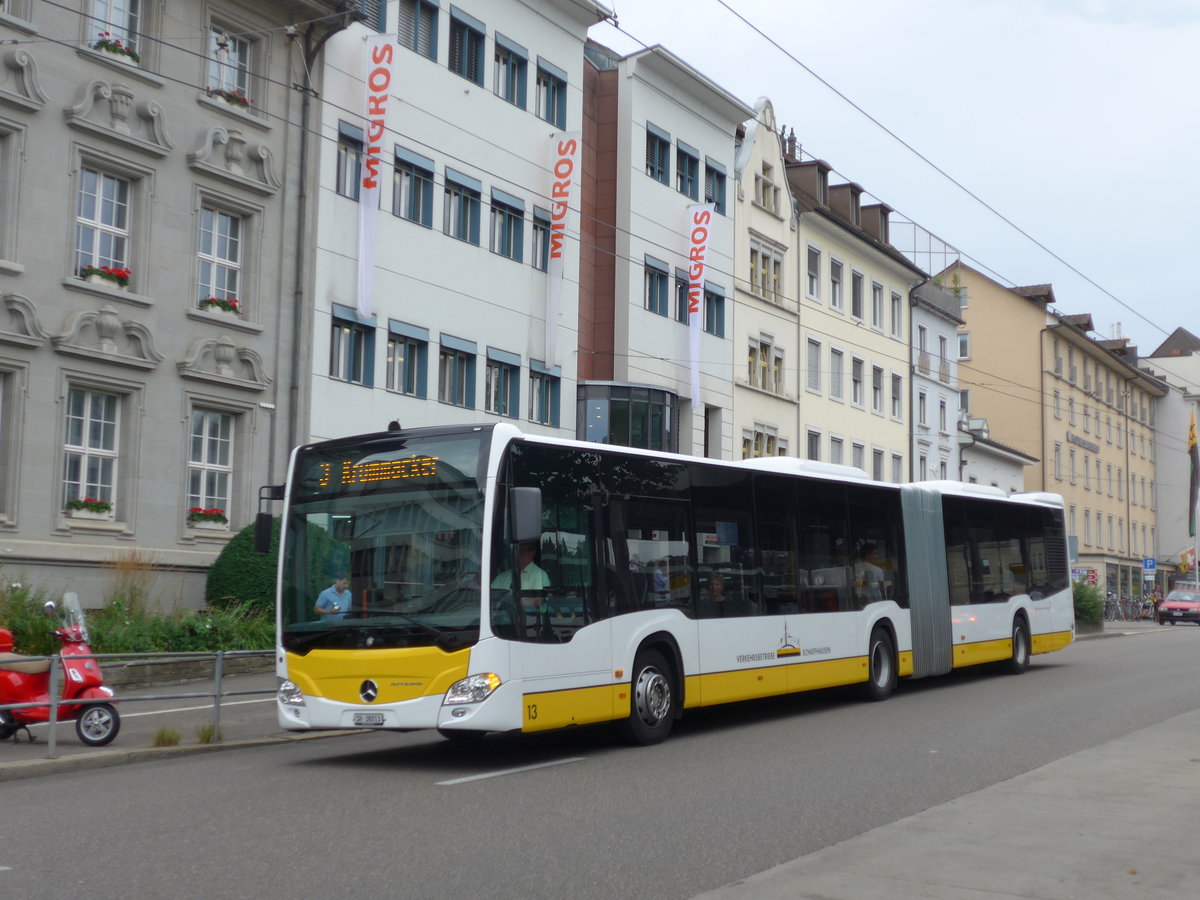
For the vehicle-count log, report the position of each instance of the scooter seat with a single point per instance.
(16, 662)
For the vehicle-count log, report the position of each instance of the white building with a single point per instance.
(935, 442)
(987, 461)
(765, 313)
(854, 324)
(662, 135)
(457, 327)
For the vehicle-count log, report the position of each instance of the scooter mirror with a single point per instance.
(49, 609)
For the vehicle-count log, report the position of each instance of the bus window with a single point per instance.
(651, 556)
(995, 552)
(1047, 551)
(552, 599)
(725, 546)
(878, 546)
(824, 547)
(778, 544)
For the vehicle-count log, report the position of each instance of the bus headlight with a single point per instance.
(473, 688)
(289, 694)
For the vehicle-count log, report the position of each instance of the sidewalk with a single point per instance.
(1047, 834)
(246, 720)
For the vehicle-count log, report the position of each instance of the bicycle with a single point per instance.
(1112, 609)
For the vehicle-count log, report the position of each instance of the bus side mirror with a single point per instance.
(262, 532)
(524, 514)
(262, 521)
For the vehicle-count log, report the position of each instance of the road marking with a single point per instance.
(160, 712)
(480, 777)
(208, 706)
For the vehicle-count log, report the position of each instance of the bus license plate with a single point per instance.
(368, 718)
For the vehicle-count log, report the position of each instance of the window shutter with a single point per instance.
(374, 13)
(458, 35)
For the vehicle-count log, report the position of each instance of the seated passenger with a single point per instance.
(869, 580)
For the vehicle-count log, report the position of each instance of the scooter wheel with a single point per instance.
(8, 727)
(98, 724)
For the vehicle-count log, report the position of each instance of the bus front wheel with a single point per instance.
(881, 665)
(1020, 647)
(653, 700)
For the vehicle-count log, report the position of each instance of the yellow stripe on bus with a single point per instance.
(581, 706)
(1048, 643)
(982, 652)
(1000, 650)
(770, 681)
(578, 706)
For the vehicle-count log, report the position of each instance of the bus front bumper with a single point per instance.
(500, 711)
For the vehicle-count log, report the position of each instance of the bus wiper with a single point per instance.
(300, 641)
(447, 640)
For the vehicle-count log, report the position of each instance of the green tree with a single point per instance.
(241, 576)
(1089, 605)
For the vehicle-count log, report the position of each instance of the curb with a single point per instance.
(101, 759)
(1105, 633)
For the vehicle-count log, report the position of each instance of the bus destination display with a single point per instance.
(333, 475)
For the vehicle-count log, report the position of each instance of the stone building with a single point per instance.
(150, 162)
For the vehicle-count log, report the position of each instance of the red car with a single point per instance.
(1180, 606)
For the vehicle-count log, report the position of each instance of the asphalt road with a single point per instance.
(733, 792)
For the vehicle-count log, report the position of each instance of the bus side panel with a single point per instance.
(763, 656)
(1053, 623)
(571, 683)
(928, 586)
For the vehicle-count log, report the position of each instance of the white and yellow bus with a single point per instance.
(505, 582)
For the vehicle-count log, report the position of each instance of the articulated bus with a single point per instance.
(504, 582)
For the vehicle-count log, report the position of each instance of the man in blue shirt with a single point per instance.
(334, 601)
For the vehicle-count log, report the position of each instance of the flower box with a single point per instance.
(115, 48)
(106, 282)
(89, 514)
(107, 276)
(235, 99)
(210, 519)
(209, 525)
(227, 306)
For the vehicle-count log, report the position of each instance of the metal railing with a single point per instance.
(216, 694)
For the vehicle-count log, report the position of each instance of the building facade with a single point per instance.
(766, 308)
(1176, 361)
(466, 107)
(854, 327)
(149, 162)
(1078, 404)
(662, 138)
(935, 418)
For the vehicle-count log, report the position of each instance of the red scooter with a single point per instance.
(27, 680)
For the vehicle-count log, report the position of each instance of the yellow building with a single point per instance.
(1079, 405)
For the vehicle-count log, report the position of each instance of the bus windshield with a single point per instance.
(383, 542)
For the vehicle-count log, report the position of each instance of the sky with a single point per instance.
(1075, 120)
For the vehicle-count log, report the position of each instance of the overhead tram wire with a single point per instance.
(935, 167)
(901, 361)
(898, 360)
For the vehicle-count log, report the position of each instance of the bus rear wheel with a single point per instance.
(881, 665)
(653, 700)
(1020, 647)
